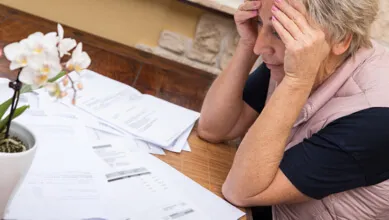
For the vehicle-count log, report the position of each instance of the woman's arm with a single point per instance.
(256, 164)
(224, 114)
(223, 106)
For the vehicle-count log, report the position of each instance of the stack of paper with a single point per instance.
(73, 178)
(113, 109)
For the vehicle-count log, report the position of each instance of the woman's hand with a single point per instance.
(244, 23)
(305, 43)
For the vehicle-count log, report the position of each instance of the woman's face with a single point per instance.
(268, 43)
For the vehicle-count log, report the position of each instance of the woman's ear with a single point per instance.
(341, 47)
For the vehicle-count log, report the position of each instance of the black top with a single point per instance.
(350, 152)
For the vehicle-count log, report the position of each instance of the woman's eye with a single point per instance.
(276, 34)
(259, 22)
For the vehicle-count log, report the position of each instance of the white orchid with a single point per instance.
(39, 57)
(64, 45)
(40, 69)
(17, 53)
(53, 89)
(38, 43)
(80, 60)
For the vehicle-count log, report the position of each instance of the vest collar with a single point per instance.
(328, 89)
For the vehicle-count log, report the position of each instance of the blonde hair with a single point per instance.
(343, 17)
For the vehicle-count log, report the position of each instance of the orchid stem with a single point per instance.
(73, 87)
(16, 86)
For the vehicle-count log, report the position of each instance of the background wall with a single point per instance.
(126, 21)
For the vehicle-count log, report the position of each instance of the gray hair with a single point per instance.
(342, 17)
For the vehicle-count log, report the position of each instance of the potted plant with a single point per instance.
(41, 64)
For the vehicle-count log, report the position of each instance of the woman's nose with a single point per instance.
(263, 44)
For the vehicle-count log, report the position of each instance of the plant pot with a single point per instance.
(14, 166)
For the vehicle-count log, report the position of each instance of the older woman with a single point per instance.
(315, 115)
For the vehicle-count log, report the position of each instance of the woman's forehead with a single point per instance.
(265, 10)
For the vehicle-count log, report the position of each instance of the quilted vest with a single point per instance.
(360, 83)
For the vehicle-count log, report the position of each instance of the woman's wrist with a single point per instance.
(246, 49)
(246, 45)
(298, 84)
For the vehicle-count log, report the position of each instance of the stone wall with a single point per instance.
(210, 50)
(216, 38)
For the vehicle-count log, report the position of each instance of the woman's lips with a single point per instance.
(273, 66)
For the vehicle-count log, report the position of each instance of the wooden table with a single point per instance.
(207, 164)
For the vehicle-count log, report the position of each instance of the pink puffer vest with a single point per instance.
(360, 83)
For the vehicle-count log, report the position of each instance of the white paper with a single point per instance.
(55, 108)
(179, 144)
(212, 205)
(154, 180)
(64, 176)
(187, 147)
(138, 193)
(131, 142)
(152, 119)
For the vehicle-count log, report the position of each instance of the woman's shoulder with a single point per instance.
(373, 73)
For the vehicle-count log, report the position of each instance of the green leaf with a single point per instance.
(4, 106)
(18, 112)
(61, 74)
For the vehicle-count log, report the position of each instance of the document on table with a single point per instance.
(213, 206)
(181, 142)
(64, 176)
(149, 118)
(55, 108)
(139, 194)
(129, 141)
(157, 186)
(187, 147)
(97, 129)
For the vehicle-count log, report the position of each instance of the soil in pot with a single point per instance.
(11, 145)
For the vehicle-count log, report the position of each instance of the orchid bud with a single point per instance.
(53, 89)
(65, 81)
(80, 86)
(73, 101)
(63, 94)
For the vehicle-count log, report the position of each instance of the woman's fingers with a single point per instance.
(287, 23)
(247, 10)
(299, 6)
(297, 17)
(284, 34)
(250, 6)
(242, 16)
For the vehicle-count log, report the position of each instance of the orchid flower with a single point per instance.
(40, 69)
(17, 53)
(80, 60)
(38, 43)
(54, 90)
(64, 45)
